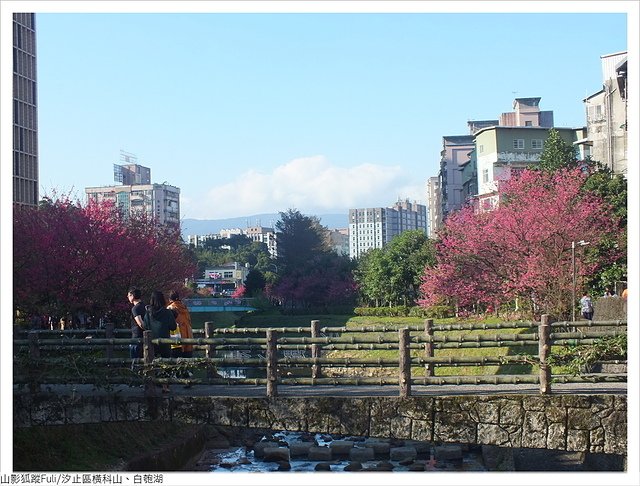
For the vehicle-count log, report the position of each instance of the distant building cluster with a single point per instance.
(337, 239)
(257, 233)
(473, 166)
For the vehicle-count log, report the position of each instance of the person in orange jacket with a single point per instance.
(183, 318)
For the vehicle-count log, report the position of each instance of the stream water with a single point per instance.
(243, 460)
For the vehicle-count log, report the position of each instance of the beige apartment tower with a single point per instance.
(159, 201)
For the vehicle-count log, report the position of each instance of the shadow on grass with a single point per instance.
(527, 351)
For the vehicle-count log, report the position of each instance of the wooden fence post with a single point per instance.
(34, 353)
(272, 364)
(405, 363)
(210, 350)
(315, 349)
(109, 335)
(544, 350)
(428, 347)
(147, 357)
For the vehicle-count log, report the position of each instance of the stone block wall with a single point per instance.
(582, 423)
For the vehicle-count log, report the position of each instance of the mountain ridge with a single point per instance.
(191, 226)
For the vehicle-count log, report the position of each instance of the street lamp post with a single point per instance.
(573, 271)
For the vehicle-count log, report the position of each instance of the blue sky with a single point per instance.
(258, 112)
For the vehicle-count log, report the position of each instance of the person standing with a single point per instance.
(586, 306)
(160, 321)
(183, 318)
(137, 324)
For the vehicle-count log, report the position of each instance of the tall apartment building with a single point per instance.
(459, 156)
(25, 111)
(160, 201)
(503, 151)
(434, 205)
(375, 227)
(263, 235)
(456, 150)
(606, 112)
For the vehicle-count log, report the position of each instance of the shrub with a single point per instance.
(439, 312)
(433, 312)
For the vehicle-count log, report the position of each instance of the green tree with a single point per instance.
(557, 153)
(612, 188)
(254, 283)
(301, 240)
(309, 273)
(238, 241)
(371, 276)
(408, 253)
(392, 275)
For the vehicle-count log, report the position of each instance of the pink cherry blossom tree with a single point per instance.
(522, 249)
(68, 257)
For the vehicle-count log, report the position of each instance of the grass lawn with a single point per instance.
(400, 322)
(263, 319)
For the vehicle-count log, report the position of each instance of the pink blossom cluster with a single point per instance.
(521, 249)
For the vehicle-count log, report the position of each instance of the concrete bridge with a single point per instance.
(582, 418)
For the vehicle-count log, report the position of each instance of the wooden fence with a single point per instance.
(43, 357)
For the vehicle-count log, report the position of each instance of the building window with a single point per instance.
(485, 175)
(528, 123)
(594, 113)
(536, 143)
(518, 143)
(480, 148)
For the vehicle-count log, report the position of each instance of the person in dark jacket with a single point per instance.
(160, 321)
(137, 317)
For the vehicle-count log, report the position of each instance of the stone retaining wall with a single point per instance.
(582, 423)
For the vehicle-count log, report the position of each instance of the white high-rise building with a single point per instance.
(434, 205)
(375, 227)
(264, 235)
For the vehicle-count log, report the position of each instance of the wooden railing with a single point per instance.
(43, 356)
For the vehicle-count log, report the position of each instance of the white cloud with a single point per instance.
(312, 185)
